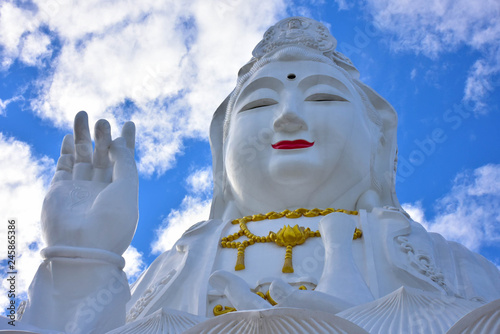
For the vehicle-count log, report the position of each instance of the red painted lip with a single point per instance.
(292, 144)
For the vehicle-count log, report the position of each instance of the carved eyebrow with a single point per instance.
(264, 82)
(318, 79)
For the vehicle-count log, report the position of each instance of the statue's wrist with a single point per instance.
(70, 252)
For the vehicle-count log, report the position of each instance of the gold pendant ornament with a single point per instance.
(287, 236)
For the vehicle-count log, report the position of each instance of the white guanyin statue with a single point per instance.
(306, 234)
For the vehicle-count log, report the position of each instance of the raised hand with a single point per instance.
(92, 201)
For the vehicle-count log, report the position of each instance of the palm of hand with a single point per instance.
(92, 201)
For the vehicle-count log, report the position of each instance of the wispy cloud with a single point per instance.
(484, 78)
(166, 65)
(439, 25)
(413, 73)
(23, 183)
(343, 4)
(442, 26)
(5, 103)
(195, 207)
(470, 212)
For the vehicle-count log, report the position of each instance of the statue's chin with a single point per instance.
(298, 169)
(294, 175)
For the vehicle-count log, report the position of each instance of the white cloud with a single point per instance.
(23, 183)
(13, 24)
(195, 207)
(470, 212)
(417, 213)
(200, 181)
(164, 64)
(192, 210)
(441, 26)
(134, 263)
(36, 46)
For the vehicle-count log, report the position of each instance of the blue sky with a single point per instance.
(167, 65)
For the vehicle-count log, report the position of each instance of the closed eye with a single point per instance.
(260, 103)
(324, 97)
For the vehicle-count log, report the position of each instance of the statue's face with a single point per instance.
(296, 127)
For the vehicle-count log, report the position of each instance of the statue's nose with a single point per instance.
(289, 121)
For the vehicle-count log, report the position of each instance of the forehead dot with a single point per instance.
(291, 76)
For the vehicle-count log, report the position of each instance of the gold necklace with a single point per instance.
(286, 237)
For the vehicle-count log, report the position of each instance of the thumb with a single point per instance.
(280, 290)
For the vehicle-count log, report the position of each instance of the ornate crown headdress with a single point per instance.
(296, 31)
(300, 31)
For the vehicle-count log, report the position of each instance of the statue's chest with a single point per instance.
(265, 258)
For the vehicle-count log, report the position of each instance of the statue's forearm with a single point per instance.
(78, 294)
(339, 261)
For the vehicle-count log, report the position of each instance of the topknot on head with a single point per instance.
(300, 33)
(296, 31)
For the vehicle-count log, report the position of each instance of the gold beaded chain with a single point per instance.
(286, 237)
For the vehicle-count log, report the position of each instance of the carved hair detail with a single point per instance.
(296, 31)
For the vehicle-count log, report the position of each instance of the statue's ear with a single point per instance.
(247, 67)
(385, 157)
(216, 145)
(385, 110)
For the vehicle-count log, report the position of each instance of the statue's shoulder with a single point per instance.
(205, 229)
(203, 226)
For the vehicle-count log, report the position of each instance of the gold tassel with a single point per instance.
(269, 299)
(288, 266)
(261, 295)
(219, 310)
(240, 259)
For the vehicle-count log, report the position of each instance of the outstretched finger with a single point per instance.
(68, 145)
(64, 170)
(83, 142)
(83, 147)
(124, 163)
(101, 162)
(128, 132)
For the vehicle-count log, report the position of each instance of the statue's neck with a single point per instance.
(322, 199)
